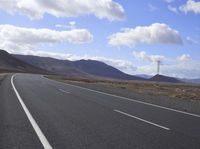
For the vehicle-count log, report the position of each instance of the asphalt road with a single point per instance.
(36, 112)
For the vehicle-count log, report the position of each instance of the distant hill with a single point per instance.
(81, 67)
(162, 78)
(195, 81)
(86, 69)
(9, 63)
(101, 69)
(144, 76)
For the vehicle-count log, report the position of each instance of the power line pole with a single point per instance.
(158, 71)
(158, 66)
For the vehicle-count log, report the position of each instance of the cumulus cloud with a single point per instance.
(191, 6)
(184, 57)
(156, 33)
(35, 9)
(21, 38)
(142, 55)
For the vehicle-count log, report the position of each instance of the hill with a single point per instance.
(61, 67)
(101, 69)
(81, 67)
(9, 63)
(194, 81)
(162, 78)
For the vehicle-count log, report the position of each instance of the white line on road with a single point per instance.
(35, 126)
(154, 124)
(132, 100)
(64, 91)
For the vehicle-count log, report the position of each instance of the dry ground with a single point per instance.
(180, 91)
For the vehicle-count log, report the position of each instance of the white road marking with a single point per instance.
(151, 123)
(64, 91)
(35, 126)
(133, 100)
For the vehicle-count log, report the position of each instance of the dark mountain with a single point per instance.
(83, 67)
(61, 67)
(9, 63)
(101, 69)
(162, 78)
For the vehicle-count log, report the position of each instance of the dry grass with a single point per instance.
(180, 91)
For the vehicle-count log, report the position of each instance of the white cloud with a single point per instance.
(173, 9)
(142, 55)
(20, 38)
(191, 6)
(183, 67)
(156, 33)
(189, 69)
(190, 40)
(70, 25)
(184, 57)
(35, 9)
(123, 65)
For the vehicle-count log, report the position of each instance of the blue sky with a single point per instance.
(166, 30)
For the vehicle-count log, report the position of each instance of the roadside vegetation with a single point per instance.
(173, 90)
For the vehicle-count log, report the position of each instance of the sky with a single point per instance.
(131, 35)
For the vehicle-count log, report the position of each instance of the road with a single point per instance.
(36, 112)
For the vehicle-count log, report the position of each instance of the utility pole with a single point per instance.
(158, 71)
(158, 67)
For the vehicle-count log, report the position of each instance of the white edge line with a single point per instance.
(135, 117)
(64, 91)
(133, 100)
(35, 126)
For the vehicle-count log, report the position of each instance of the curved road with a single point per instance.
(36, 112)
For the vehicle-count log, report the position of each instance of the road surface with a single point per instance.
(36, 112)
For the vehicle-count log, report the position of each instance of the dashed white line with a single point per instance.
(35, 126)
(64, 91)
(132, 100)
(135, 117)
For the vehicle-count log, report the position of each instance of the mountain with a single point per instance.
(9, 63)
(195, 81)
(101, 69)
(83, 67)
(61, 67)
(162, 78)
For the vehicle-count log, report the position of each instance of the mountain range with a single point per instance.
(89, 69)
(80, 67)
